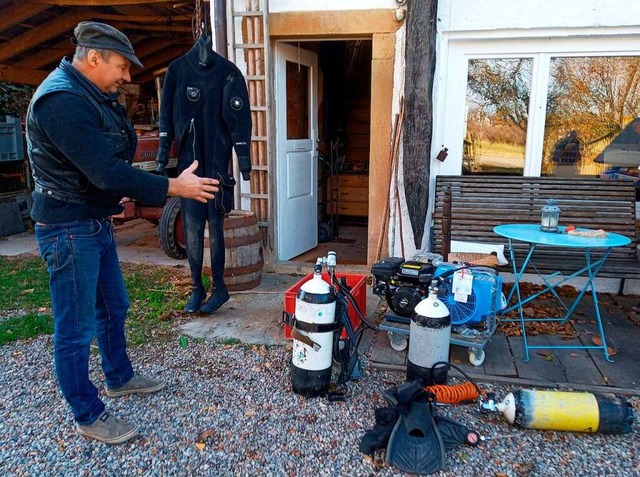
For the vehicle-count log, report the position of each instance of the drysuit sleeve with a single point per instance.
(167, 132)
(236, 113)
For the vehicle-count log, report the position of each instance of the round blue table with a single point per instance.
(534, 237)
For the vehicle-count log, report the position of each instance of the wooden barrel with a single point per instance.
(242, 251)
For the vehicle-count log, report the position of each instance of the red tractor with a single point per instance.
(168, 217)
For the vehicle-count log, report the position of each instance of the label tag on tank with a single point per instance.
(462, 285)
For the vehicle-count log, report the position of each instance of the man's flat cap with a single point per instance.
(104, 37)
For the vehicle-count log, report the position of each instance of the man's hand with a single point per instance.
(190, 186)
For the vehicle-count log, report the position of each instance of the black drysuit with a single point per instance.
(205, 107)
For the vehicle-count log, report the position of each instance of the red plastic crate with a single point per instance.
(357, 285)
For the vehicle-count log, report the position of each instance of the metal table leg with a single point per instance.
(592, 269)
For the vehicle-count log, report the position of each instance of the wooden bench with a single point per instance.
(467, 208)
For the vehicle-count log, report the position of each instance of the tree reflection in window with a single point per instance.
(593, 99)
(498, 92)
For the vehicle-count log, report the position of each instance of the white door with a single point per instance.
(296, 159)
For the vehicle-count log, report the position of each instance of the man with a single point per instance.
(81, 145)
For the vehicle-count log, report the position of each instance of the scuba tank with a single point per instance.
(429, 336)
(312, 331)
(565, 411)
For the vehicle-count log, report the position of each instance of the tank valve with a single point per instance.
(330, 261)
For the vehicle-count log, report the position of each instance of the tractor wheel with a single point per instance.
(172, 238)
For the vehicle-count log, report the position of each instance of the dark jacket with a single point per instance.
(81, 145)
(205, 107)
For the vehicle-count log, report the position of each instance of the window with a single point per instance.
(590, 102)
(540, 105)
(497, 103)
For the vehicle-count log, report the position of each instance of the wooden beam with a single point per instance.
(343, 23)
(149, 47)
(141, 18)
(96, 3)
(151, 64)
(39, 34)
(47, 55)
(17, 13)
(418, 98)
(173, 28)
(12, 74)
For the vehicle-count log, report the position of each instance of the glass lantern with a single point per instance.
(550, 216)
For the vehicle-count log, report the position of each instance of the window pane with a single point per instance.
(498, 92)
(589, 103)
(297, 101)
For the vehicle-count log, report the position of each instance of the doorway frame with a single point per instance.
(380, 27)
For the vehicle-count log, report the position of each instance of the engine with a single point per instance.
(404, 283)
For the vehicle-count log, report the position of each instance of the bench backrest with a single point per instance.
(467, 208)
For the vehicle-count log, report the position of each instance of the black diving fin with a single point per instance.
(415, 445)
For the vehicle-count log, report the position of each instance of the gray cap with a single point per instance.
(104, 37)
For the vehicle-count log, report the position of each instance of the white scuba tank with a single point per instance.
(312, 334)
(429, 339)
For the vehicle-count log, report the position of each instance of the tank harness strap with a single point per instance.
(314, 327)
(290, 319)
(297, 326)
(296, 335)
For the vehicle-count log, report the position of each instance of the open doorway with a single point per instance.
(341, 162)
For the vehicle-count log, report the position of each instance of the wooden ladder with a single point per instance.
(248, 43)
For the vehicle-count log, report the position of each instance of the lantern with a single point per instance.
(550, 215)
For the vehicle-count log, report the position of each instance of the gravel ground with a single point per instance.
(238, 400)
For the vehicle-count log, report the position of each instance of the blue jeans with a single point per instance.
(89, 299)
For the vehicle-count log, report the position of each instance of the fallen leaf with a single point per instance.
(549, 358)
(200, 446)
(611, 349)
(206, 435)
(546, 354)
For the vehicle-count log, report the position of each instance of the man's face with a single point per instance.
(111, 74)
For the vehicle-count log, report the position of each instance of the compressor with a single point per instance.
(430, 335)
(312, 331)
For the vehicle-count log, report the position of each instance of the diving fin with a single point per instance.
(415, 445)
(455, 434)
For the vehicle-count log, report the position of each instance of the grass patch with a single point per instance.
(24, 284)
(23, 327)
(155, 294)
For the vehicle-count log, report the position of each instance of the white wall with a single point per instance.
(466, 15)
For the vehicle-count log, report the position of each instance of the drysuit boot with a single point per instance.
(415, 445)
(218, 297)
(195, 300)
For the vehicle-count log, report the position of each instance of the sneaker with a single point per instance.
(137, 385)
(108, 429)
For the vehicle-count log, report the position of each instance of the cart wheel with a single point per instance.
(398, 341)
(476, 356)
(171, 234)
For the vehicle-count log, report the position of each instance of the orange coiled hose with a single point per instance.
(454, 394)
